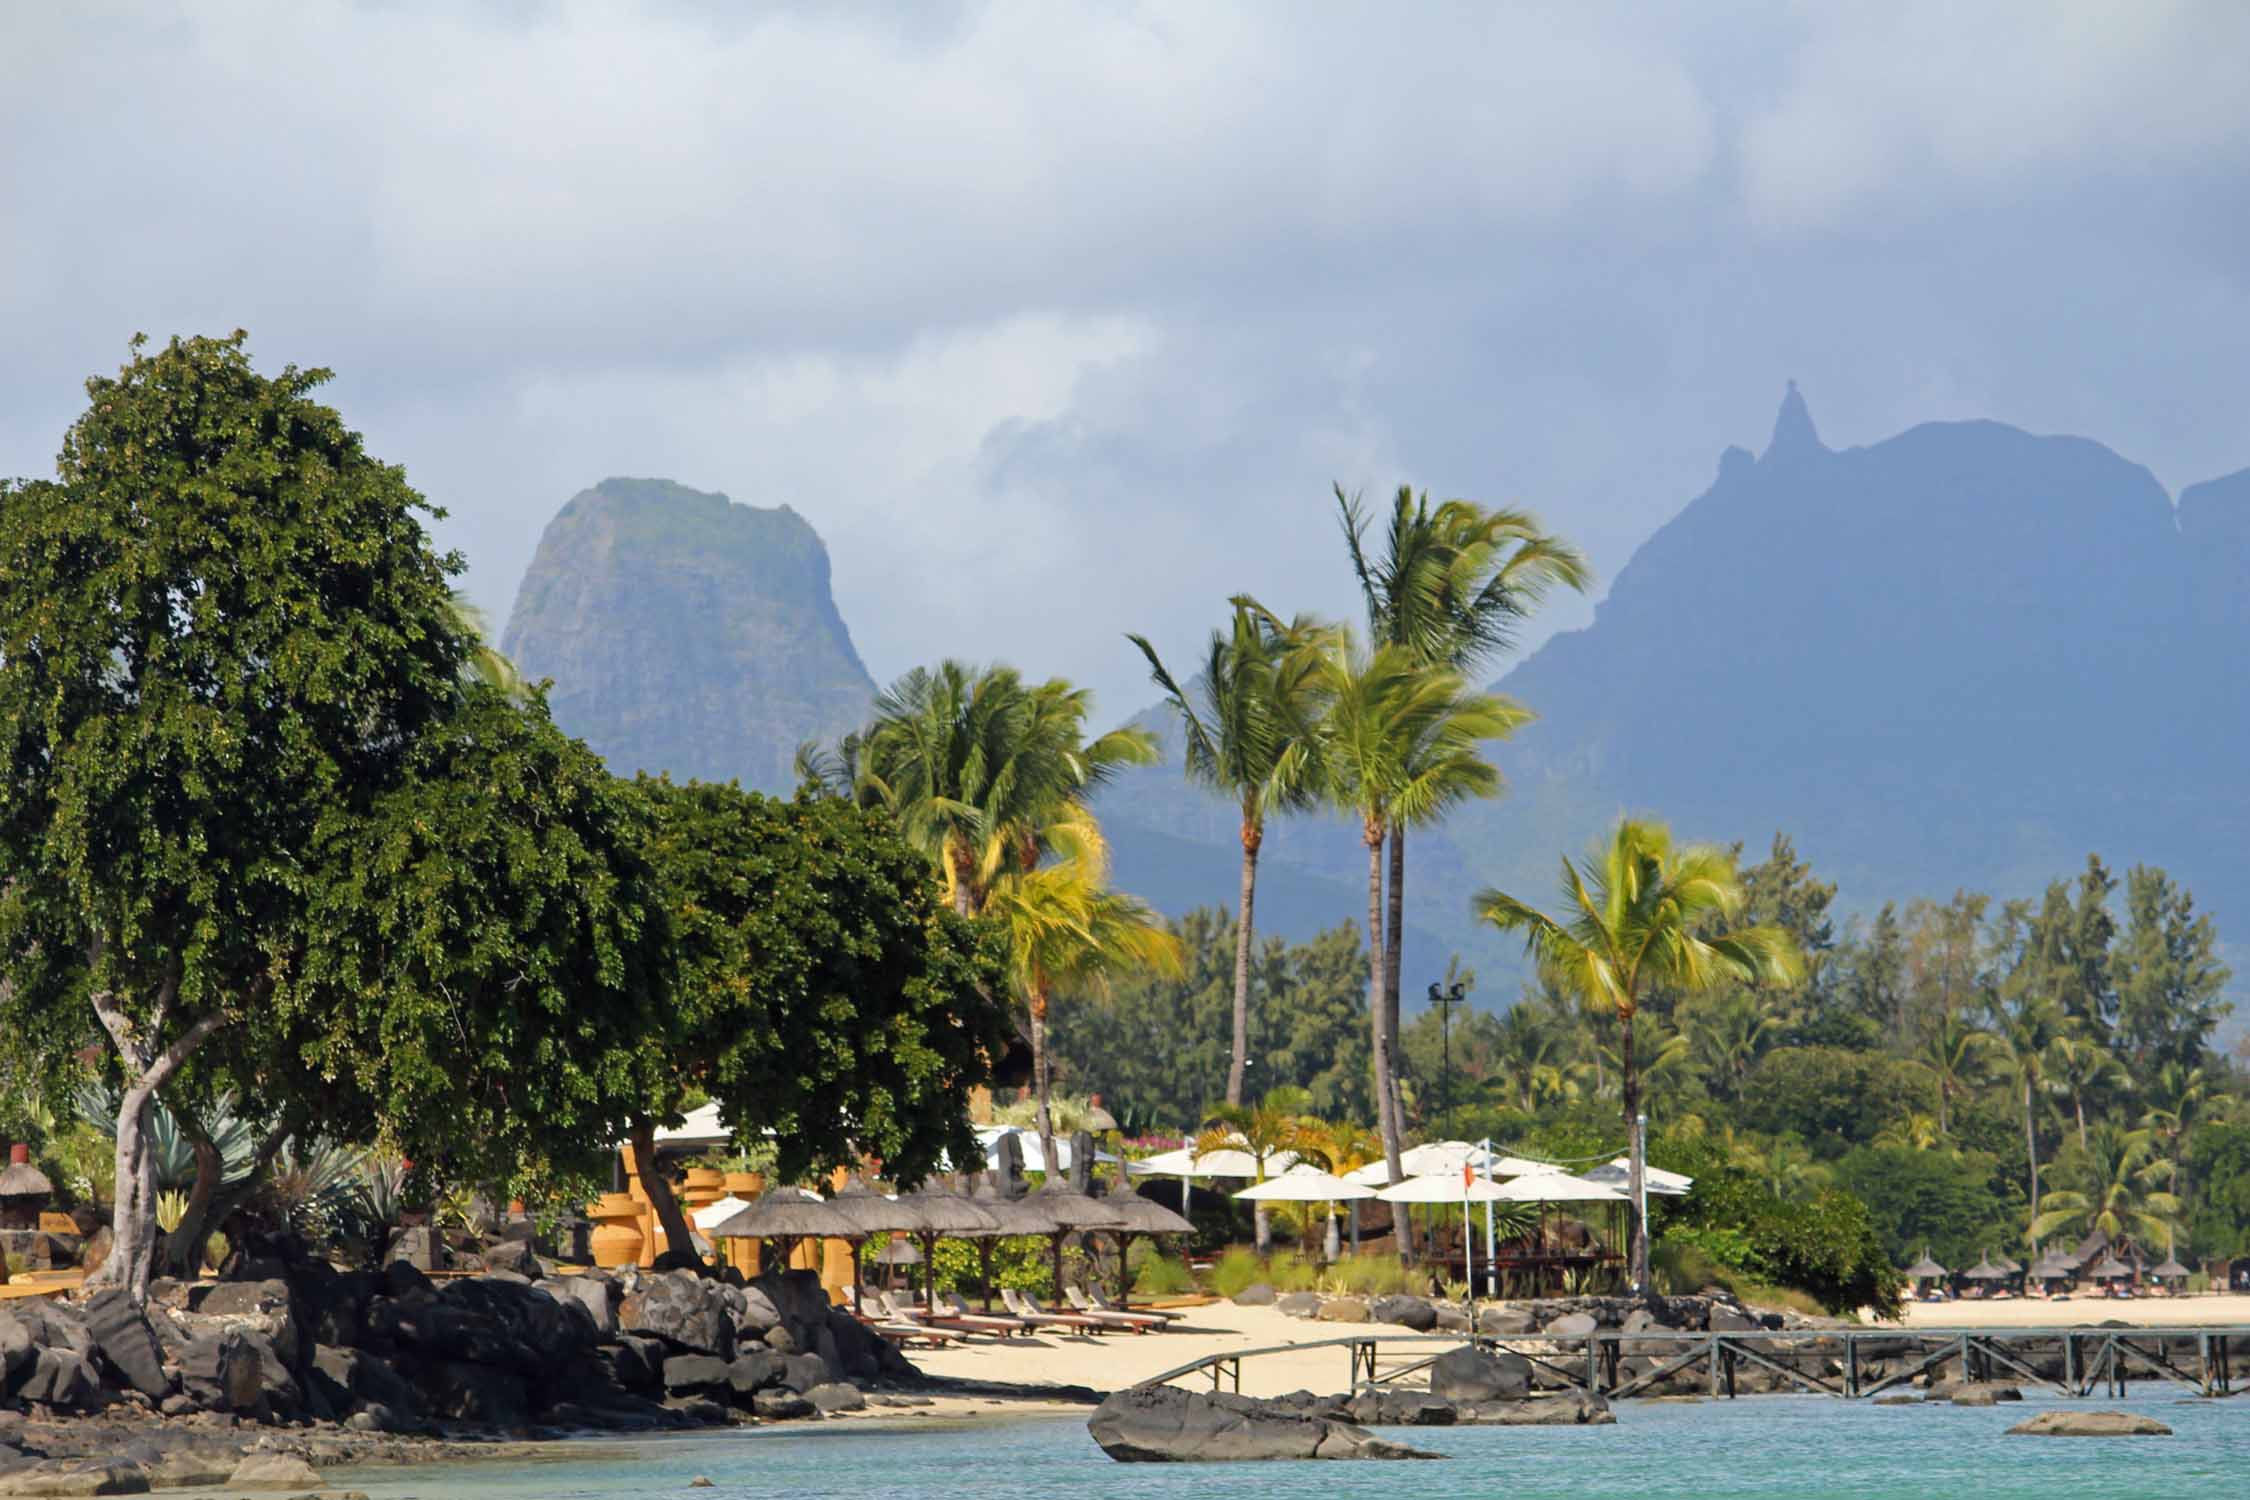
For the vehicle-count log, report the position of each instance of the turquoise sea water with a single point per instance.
(1778, 1446)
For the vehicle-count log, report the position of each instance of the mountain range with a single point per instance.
(1965, 656)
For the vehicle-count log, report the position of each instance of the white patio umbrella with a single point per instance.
(1188, 1162)
(1462, 1185)
(712, 1215)
(1556, 1187)
(1306, 1184)
(1619, 1173)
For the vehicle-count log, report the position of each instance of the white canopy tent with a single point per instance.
(1556, 1187)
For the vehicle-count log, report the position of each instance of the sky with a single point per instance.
(1059, 321)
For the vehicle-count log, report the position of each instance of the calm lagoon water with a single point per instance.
(1778, 1446)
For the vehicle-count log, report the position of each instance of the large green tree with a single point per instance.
(1248, 725)
(220, 625)
(825, 992)
(1644, 913)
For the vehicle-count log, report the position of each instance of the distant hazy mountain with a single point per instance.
(1962, 657)
(686, 633)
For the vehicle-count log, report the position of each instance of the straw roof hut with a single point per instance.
(1010, 1217)
(944, 1215)
(1139, 1216)
(1927, 1269)
(2170, 1269)
(1985, 1270)
(2110, 1268)
(788, 1214)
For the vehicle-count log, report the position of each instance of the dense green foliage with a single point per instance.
(1159, 1046)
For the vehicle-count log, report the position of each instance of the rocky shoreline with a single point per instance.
(293, 1366)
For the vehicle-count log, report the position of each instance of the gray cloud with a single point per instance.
(1059, 322)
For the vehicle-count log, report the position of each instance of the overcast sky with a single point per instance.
(1059, 321)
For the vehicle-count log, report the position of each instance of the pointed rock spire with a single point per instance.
(1793, 430)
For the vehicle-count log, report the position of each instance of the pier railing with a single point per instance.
(1847, 1363)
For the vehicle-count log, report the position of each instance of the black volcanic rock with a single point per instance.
(686, 633)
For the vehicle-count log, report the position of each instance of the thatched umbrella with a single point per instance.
(943, 1214)
(1927, 1269)
(899, 1252)
(2110, 1268)
(1140, 1216)
(2170, 1269)
(1010, 1217)
(787, 1214)
(873, 1213)
(1072, 1212)
(2055, 1267)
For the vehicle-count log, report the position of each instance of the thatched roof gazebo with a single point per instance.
(1926, 1269)
(944, 1215)
(2110, 1268)
(1985, 1270)
(874, 1213)
(1010, 1218)
(1139, 1216)
(2170, 1270)
(1072, 1212)
(788, 1214)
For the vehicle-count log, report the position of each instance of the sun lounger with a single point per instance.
(1023, 1307)
(1106, 1305)
(1095, 1309)
(959, 1319)
(968, 1317)
(1099, 1319)
(908, 1333)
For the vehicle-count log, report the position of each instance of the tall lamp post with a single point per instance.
(1445, 999)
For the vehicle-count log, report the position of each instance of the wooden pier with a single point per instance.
(1846, 1363)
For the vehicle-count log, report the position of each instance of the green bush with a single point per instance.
(1370, 1276)
(1235, 1269)
(1825, 1246)
(1160, 1276)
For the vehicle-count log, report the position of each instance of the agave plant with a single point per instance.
(173, 1146)
(313, 1187)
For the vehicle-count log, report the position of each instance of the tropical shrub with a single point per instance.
(1824, 1245)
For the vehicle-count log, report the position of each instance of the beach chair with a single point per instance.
(1106, 1305)
(1099, 1320)
(1141, 1322)
(1030, 1312)
(914, 1333)
(968, 1317)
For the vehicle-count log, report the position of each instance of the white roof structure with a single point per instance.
(1449, 1156)
(1306, 1184)
(1444, 1187)
(702, 1127)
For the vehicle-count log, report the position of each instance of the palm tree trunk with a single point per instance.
(1041, 1084)
(2078, 1103)
(1253, 835)
(1944, 1100)
(1629, 1081)
(1394, 924)
(2031, 1153)
(1386, 1115)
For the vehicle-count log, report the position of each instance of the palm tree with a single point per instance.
(2110, 1176)
(976, 764)
(1729, 1034)
(2022, 1034)
(1954, 1055)
(1336, 1147)
(1251, 739)
(1638, 917)
(486, 664)
(1531, 1057)
(1401, 742)
(1069, 934)
(1264, 1131)
(1452, 587)
(2076, 1066)
(2179, 1099)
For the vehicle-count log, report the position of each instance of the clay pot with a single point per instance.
(616, 1240)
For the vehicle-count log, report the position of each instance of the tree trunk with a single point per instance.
(1944, 1101)
(1041, 1085)
(1253, 836)
(1629, 1082)
(132, 1260)
(2031, 1154)
(677, 1233)
(183, 1247)
(2078, 1103)
(1386, 1112)
(1394, 940)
